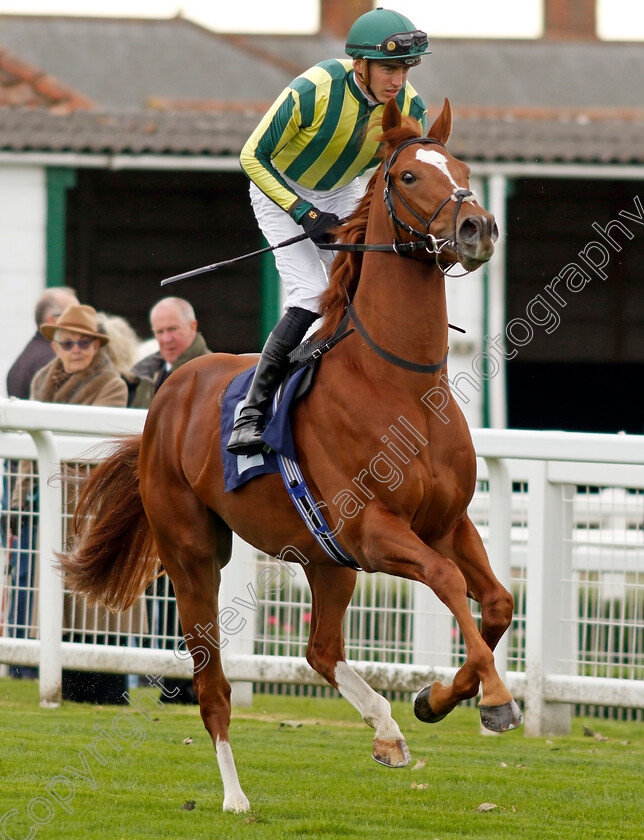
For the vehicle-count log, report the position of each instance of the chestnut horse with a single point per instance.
(161, 495)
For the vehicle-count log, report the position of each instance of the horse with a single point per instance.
(159, 497)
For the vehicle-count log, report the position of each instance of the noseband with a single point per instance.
(425, 239)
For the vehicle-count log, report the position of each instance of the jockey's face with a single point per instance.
(384, 78)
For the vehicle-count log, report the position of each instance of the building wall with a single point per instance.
(23, 222)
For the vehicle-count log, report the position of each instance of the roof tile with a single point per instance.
(170, 87)
(22, 84)
(223, 133)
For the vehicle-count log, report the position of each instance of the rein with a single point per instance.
(426, 241)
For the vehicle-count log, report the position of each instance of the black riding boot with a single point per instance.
(246, 436)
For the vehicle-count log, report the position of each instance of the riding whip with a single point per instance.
(215, 266)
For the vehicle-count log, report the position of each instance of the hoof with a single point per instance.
(237, 804)
(391, 752)
(501, 718)
(422, 707)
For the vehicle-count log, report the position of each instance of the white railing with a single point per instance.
(562, 516)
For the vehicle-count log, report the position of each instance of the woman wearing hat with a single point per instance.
(81, 373)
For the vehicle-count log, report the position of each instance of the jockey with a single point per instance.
(303, 161)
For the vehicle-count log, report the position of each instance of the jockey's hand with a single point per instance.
(317, 225)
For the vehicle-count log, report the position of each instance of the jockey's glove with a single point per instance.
(317, 225)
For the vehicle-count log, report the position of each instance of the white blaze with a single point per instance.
(435, 158)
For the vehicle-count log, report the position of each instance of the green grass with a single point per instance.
(318, 779)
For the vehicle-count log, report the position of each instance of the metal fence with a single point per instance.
(562, 517)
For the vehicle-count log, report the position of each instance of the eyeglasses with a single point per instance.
(401, 42)
(83, 343)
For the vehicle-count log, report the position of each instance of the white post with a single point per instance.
(237, 623)
(50, 601)
(499, 545)
(432, 627)
(550, 621)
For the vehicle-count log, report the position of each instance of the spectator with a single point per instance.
(34, 355)
(122, 347)
(174, 326)
(82, 374)
(38, 350)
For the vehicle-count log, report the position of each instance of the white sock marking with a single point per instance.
(374, 708)
(234, 797)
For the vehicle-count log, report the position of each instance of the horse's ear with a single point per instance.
(391, 115)
(442, 127)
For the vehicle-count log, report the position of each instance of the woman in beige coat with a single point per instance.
(82, 372)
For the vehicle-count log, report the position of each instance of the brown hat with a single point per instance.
(76, 319)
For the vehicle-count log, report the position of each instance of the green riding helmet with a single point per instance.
(386, 36)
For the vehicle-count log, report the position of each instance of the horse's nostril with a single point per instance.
(474, 229)
(469, 230)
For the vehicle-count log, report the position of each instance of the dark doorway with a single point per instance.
(128, 230)
(586, 373)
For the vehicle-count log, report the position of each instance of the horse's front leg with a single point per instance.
(331, 590)
(390, 546)
(465, 547)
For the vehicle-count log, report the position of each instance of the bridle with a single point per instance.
(425, 240)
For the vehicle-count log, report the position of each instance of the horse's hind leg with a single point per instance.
(194, 544)
(331, 590)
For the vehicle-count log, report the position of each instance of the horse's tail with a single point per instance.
(113, 554)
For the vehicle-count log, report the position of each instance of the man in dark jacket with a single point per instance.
(38, 351)
(174, 326)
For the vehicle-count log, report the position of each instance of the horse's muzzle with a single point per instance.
(475, 238)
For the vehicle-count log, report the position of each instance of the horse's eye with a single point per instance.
(408, 178)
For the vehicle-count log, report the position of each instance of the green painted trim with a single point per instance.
(485, 402)
(271, 285)
(59, 180)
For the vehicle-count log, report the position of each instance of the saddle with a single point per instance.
(281, 455)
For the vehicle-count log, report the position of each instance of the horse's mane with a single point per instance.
(347, 266)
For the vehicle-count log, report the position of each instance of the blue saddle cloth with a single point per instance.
(238, 469)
